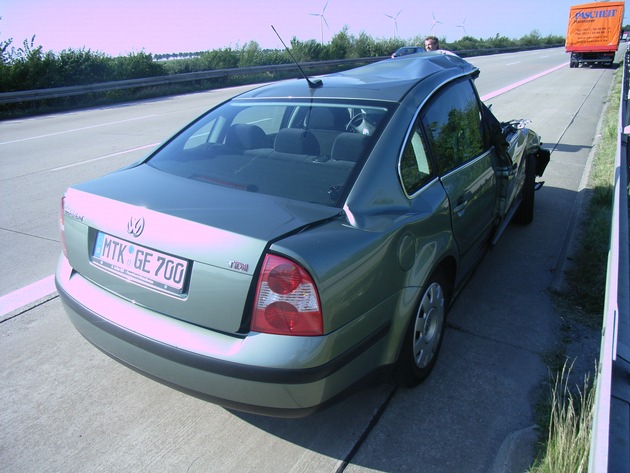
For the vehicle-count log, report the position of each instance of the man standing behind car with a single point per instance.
(431, 43)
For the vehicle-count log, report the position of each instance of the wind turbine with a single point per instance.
(395, 21)
(435, 22)
(462, 29)
(322, 19)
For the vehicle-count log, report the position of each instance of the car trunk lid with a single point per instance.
(183, 248)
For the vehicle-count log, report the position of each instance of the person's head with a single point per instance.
(431, 43)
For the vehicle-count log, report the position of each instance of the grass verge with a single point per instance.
(568, 411)
(586, 277)
(569, 430)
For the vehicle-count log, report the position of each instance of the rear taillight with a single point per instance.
(286, 301)
(62, 227)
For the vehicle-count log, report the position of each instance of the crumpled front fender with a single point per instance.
(534, 147)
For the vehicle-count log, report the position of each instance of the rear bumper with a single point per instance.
(592, 57)
(260, 373)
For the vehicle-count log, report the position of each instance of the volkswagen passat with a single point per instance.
(300, 237)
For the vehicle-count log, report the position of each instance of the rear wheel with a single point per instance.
(424, 334)
(525, 213)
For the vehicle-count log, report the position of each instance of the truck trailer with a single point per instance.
(594, 32)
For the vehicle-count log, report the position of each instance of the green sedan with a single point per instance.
(300, 238)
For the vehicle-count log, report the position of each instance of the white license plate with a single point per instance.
(143, 265)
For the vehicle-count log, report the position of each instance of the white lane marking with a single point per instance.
(27, 295)
(496, 93)
(75, 130)
(153, 145)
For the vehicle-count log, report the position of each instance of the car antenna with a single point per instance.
(313, 84)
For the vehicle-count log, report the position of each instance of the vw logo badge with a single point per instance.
(135, 226)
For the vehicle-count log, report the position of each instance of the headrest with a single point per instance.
(296, 141)
(348, 147)
(328, 118)
(244, 136)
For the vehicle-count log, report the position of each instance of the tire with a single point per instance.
(525, 213)
(423, 337)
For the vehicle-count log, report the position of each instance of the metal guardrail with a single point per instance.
(610, 440)
(58, 92)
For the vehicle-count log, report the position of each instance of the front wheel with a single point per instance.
(424, 334)
(525, 213)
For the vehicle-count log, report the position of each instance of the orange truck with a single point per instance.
(594, 32)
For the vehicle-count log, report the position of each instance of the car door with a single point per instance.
(452, 124)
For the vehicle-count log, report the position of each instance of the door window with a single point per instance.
(454, 126)
(415, 168)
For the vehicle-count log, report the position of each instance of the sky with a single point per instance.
(121, 27)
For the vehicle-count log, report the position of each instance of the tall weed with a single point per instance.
(570, 421)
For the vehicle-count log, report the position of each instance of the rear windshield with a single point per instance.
(298, 150)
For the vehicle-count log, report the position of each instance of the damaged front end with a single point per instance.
(522, 159)
(533, 144)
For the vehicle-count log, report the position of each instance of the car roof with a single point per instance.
(390, 79)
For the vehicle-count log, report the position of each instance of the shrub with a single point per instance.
(136, 66)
